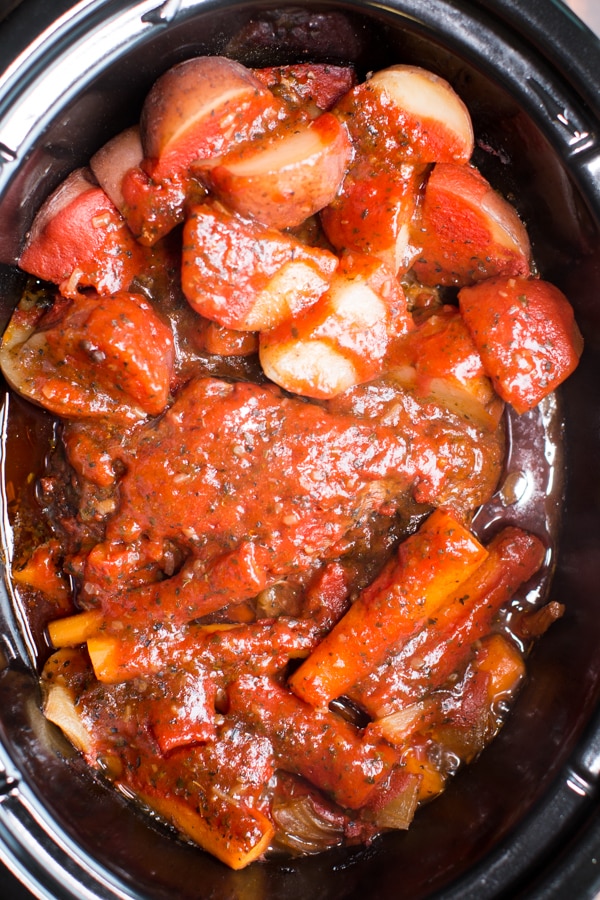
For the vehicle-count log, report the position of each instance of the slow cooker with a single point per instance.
(523, 821)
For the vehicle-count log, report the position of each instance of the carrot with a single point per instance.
(42, 572)
(319, 745)
(503, 662)
(266, 646)
(247, 838)
(431, 564)
(76, 629)
(443, 646)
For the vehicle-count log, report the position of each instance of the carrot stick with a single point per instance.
(252, 836)
(195, 591)
(431, 564)
(76, 629)
(442, 647)
(265, 646)
(317, 744)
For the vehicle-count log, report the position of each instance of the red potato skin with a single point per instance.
(84, 243)
(228, 262)
(112, 161)
(198, 110)
(283, 196)
(176, 131)
(526, 334)
(455, 231)
(308, 87)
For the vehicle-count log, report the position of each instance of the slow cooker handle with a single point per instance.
(561, 37)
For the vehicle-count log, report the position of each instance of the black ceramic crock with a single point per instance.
(523, 821)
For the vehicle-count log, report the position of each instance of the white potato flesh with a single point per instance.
(337, 343)
(59, 708)
(353, 307)
(114, 159)
(296, 286)
(290, 177)
(312, 368)
(429, 98)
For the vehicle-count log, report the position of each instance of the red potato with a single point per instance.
(246, 276)
(111, 163)
(198, 109)
(287, 178)
(439, 361)
(373, 210)
(343, 338)
(151, 210)
(90, 357)
(79, 239)
(311, 88)
(408, 114)
(467, 232)
(526, 334)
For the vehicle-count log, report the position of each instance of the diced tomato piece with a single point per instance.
(467, 232)
(217, 340)
(526, 334)
(246, 276)
(152, 210)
